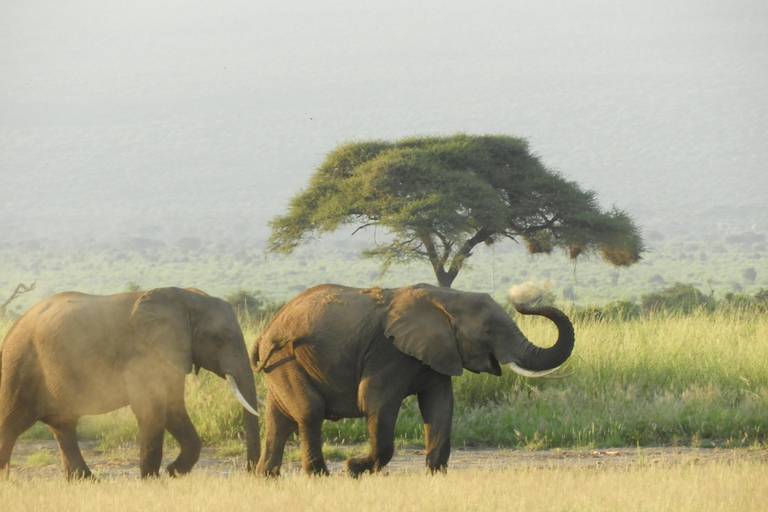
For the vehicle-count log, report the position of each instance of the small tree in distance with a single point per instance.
(439, 197)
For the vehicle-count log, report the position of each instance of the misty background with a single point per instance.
(192, 118)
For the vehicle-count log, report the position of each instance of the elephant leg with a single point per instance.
(65, 432)
(436, 406)
(311, 436)
(181, 428)
(278, 427)
(147, 398)
(310, 415)
(381, 430)
(15, 423)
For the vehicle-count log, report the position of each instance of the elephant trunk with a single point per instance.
(542, 361)
(245, 392)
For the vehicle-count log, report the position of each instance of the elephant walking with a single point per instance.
(75, 354)
(336, 352)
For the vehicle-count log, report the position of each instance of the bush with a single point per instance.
(678, 298)
(761, 298)
(621, 310)
(252, 308)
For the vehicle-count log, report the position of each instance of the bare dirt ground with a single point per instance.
(30, 460)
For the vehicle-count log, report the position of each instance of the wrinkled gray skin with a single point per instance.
(74, 354)
(336, 352)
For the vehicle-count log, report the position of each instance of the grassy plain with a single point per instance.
(225, 266)
(701, 488)
(666, 380)
(693, 380)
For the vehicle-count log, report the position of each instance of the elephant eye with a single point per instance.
(214, 339)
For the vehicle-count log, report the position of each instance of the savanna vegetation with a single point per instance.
(669, 352)
(663, 378)
(667, 378)
(717, 266)
(436, 198)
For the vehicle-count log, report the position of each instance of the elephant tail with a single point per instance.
(258, 365)
(254, 355)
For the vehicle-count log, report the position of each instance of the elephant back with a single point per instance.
(315, 318)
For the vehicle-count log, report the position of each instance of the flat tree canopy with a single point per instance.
(439, 197)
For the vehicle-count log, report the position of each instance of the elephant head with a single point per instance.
(450, 330)
(189, 328)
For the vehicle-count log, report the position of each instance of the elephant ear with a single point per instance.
(421, 328)
(161, 320)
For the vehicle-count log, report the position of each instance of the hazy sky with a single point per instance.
(189, 117)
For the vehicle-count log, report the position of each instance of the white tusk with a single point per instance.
(240, 397)
(528, 373)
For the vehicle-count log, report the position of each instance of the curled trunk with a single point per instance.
(538, 359)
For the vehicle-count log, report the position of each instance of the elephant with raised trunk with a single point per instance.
(337, 352)
(75, 354)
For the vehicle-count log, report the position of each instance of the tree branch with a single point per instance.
(20, 288)
(462, 254)
(366, 225)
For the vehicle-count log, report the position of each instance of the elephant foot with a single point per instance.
(80, 474)
(316, 468)
(267, 472)
(357, 466)
(153, 473)
(437, 470)
(174, 469)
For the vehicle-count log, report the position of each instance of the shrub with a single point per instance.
(761, 298)
(252, 307)
(678, 298)
(621, 310)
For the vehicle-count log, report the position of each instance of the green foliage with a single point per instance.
(679, 299)
(618, 310)
(252, 307)
(221, 268)
(684, 298)
(663, 379)
(739, 301)
(439, 197)
(42, 458)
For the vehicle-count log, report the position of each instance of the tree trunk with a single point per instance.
(445, 279)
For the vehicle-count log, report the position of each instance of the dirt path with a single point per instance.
(40, 459)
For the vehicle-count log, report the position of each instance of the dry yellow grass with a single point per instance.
(701, 488)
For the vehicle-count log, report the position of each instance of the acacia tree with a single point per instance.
(439, 197)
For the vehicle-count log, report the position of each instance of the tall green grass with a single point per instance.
(667, 379)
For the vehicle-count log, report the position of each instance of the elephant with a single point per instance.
(75, 354)
(338, 352)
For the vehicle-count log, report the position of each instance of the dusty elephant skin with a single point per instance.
(75, 354)
(336, 352)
